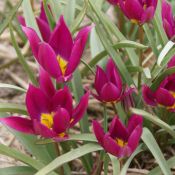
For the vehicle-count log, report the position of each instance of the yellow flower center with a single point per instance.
(120, 142)
(63, 64)
(61, 135)
(135, 21)
(47, 120)
(173, 106)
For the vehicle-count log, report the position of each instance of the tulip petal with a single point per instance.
(79, 111)
(100, 79)
(42, 130)
(44, 29)
(61, 40)
(112, 147)
(171, 63)
(117, 129)
(36, 102)
(164, 97)
(99, 132)
(61, 121)
(110, 93)
(62, 98)
(43, 14)
(113, 2)
(133, 122)
(113, 74)
(46, 83)
(48, 60)
(148, 95)
(18, 123)
(21, 20)
(134, 138)
(148, 14)
(33, 39)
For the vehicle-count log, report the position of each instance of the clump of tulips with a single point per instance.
(124, 82)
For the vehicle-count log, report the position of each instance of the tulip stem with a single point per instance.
(105, 118)
(141, 37)
(57, 148)
(114, 107)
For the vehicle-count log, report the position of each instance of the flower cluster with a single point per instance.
(51, 111)
(138, 11)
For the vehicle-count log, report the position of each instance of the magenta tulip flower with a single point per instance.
(51, 111)
(61, 54)
(42, 24)
(138, 11)
(168, 19)
(108, 83)
(164, 95)
(120, 141)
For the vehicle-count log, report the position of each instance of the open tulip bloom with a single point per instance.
(120, 141)
(61, 54)
(164, 95)
(168, 19)
(138, 11)
(108, 83)
(51, 111)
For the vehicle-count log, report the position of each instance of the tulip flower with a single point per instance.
(168, 19)
(138, 11)
(164, 95)
(120, 141)
(61, 54)
(42, 23)
(51, 111)
(108, 83)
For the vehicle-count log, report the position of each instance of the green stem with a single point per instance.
(61, 169)
(105, 118)
(21, 57)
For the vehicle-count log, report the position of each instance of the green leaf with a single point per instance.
(115, 164)
(3, 85)
(101, 55)
(65, 158)
(155, 120)
(79, 19)
(152, 145)
(9, 17)
(128, 162)
(20, 156)
(164, 52)
(17, 170)
(14, 108)
(29, 16)
(73, 137)
(157, 170)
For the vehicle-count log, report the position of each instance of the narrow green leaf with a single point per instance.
(152, 145)
(9, 17)
(3, 85)
(155, 120)
(65, 158)
(17, 170)
(115, 164)
(128, 162)
(29, 16)
(164, 52)
(157, 170)
(14, 108)
(20, 156)
(73, 137)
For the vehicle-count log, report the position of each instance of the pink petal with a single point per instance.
(48, 60)
(18, 123)
(148, 14)
(21, 20)
(80, 110)
(37, 102)
(61, 40)
(33, 39)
